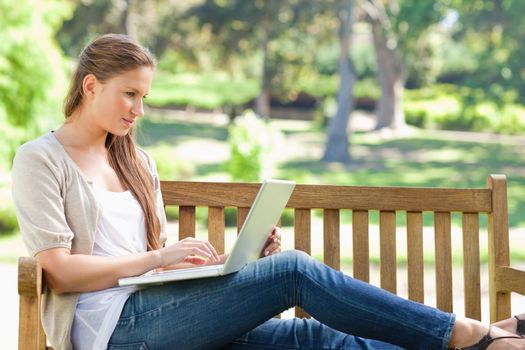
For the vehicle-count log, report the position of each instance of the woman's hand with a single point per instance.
(189, 250)
(273, 243)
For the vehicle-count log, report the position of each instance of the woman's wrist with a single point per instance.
(158, 258)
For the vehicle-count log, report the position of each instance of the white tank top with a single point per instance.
(120, 231)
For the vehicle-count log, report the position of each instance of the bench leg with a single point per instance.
(31, 335)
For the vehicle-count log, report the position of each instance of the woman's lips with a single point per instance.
(128, 122)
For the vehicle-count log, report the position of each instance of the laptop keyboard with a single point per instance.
(198, 268)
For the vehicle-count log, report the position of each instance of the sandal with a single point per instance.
(484, 343)
(520, 328)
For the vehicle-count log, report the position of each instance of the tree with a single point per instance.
(397, 26)
(148, 21)
(32, 74)
(494, 31)
(244, 28)
(337, 147)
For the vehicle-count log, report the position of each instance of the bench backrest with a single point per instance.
(331, 200)
(389, 202)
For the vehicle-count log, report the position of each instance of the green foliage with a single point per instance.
(200, 91)
(493, 32)
(8, 222)
(31, 70)
(253, 145)
(168, 166)
(461, 108)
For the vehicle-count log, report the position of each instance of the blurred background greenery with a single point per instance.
(361, 92)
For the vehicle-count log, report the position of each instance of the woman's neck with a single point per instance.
(79, 133)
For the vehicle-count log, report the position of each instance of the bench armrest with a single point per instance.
(509, 279)
(29, 277)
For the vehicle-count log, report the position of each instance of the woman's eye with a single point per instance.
(130, 93)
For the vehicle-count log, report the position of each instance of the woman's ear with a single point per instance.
(88, 85)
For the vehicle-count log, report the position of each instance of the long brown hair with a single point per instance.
(106, 57)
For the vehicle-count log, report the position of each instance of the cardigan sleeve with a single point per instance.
(39, 202)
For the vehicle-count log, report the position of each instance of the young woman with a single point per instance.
(90, 209)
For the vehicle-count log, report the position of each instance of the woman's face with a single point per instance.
(119, 101)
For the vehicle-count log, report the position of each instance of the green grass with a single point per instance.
(200, 91)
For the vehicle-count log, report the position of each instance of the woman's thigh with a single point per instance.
(205, 313)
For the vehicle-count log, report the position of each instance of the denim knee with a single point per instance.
(297, 257)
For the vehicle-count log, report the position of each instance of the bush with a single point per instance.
(253, 145)
(461, 108)
(168, 166)
(200, 91)
(8, 222)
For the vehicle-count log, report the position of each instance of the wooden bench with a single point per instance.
(332, 200)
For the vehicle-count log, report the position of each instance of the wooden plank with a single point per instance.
(471, 268)
(387, 251)
(30, 332)
(29, 277)
(216, 228)
(416, 267)
(510, 280)
(360, 245)
(186, 222)
(303, 229)
(498, 232)
(443, 248)
(331, 197)
(302, 237)
(242, 213)
(332, 254)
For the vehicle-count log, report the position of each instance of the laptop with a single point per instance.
(260, 221)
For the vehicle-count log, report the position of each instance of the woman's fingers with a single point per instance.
(197, 260)
(189, 249)
(272, 248)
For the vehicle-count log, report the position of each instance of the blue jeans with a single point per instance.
(235, 312)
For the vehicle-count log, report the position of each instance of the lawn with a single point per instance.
(425, 158)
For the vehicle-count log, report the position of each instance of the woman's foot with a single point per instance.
(513, 325)
(467, 332)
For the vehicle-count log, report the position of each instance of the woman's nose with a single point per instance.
(138, 108)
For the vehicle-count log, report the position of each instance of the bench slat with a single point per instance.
(471, 269)
(415, 263)
(387, 250)
(332, 252)
(360, 245)
(303, 230)
(186, 222)
(499, 256)
(242, 213)
(302, 237)
(443, 253)
(216, 228)
(333, 197)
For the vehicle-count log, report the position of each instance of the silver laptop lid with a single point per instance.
(260, 221)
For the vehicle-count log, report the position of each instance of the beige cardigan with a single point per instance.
(56, 207)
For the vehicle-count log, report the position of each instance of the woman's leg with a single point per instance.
(298, 333)
(214, 312)
(511, 324)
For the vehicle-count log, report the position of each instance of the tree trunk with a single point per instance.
(389, 110)
(337, 147)
(262, 104)
(128, 19)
